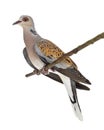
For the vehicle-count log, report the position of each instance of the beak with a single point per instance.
(17, 22)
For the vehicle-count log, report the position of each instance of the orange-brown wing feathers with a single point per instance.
(51, 50)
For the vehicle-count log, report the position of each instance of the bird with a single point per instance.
(40, 51)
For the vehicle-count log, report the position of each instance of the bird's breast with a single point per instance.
(36, 61)
(30, 42)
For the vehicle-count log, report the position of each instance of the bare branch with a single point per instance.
(36, 71)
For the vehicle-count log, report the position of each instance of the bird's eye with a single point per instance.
(25, 19)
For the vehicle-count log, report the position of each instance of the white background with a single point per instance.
(38, 103)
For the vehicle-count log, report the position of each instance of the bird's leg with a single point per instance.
(44, 70)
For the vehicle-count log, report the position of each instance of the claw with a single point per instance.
(44, 71)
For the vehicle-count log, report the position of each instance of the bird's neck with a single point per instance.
(30, 35)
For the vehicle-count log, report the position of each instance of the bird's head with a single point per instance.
(25, 21)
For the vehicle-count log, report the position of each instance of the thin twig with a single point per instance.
(37, 72)
(74, 51)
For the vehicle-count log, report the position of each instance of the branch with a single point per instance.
(74, 51)
(32, 73)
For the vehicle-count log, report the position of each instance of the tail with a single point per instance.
(75, 103)
(71, 89)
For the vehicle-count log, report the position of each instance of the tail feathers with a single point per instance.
(74, 101)
(76, 109)
(71, 89)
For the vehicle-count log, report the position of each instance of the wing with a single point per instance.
(49, 52)
(53, 75)
(27, 58)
